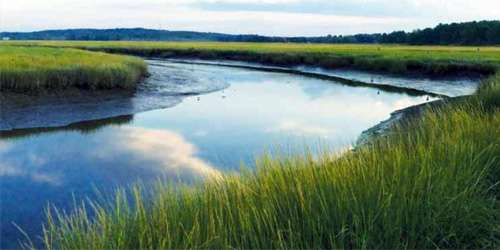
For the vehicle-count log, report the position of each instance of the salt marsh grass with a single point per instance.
(35, 68)
(432, 183)
(431, 60)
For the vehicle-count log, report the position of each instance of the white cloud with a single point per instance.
(271, 17)
(302, 129)
(10, 170)
(4, 146)
(162, 152)
(170, 150)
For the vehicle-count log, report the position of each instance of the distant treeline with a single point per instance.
(470, 33)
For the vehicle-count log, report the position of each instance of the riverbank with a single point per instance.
(402, 117)
(418, 60)
(167, 86)
(211, 130)
(429, 184)
(171, 81)
(38, 69)
(319, 73)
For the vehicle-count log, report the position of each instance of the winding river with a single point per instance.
(189, 120)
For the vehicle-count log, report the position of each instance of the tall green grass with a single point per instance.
(431, 60)
(432, 183)
(33, 69)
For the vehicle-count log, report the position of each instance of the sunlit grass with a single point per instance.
(432, 183)
(432, 60)
(34, 68)
(417, 52)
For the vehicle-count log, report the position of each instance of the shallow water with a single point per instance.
(216, 118)
(446, 86)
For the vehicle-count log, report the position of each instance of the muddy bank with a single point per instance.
(411, 84)
(399, 118)
(171, 81)
(91, 126)
(62, 108)
(166, 87)
(322, 60)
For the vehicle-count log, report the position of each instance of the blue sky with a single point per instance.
(267, 17)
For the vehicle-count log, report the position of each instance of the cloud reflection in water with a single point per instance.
(120, 155)
(170, 149)
(169, 153)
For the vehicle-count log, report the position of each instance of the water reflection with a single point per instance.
(301, 129)
(451, 86)
(62, 108)
(165, 151)
(55, 166)
(201, 137)
(137, 151)
(412, 84)
(85, 127)
(167, 87)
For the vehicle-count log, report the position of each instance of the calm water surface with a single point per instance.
(201, 135)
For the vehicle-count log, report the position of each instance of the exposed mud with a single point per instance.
(166, 87)
(171, 81)
(399, 117)
(411, 84)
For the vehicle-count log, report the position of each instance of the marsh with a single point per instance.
(186, 122)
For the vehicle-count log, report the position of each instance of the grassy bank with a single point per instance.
(430, 60)
(432, 183)
(34, 69)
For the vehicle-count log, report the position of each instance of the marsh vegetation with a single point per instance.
(428, 60)
(34, 69)
(432, 183)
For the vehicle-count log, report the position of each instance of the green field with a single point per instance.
(432, 60)
(33, 69)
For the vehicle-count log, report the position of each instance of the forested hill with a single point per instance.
(134, 34)
(470, 33)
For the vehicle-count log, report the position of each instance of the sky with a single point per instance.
(265, 17)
